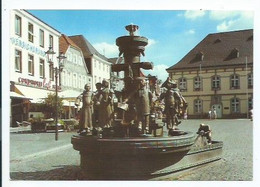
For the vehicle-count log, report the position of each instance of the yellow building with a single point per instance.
(218, 74)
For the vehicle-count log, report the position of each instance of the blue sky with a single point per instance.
(171, 33)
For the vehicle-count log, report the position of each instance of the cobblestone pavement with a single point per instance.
(63, 164)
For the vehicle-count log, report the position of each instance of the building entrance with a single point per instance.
(218, 109)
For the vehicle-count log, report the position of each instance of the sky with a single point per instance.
(171, 33)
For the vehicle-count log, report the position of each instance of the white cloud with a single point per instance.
(191, 31)
(232, 20)
(106, 49)
(193, 14)
(159, 71)
(221, 14)
(151, 42)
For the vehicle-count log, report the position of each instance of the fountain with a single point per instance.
(136, 147)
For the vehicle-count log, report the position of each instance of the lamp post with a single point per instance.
(57, 71)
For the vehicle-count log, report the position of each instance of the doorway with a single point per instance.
(218, 109)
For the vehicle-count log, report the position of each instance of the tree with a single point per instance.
(48, 106)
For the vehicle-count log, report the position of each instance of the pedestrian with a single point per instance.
(209, 114)
(215, 113)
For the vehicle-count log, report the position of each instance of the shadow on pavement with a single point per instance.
(70, 172)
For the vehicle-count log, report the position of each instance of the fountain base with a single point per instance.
(141, 158)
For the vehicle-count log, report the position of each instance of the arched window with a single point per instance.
(198, 106)
(234, 81)
(235, 105)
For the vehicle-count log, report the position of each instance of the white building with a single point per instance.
(74, 76)
(30, 75)
(98, 65)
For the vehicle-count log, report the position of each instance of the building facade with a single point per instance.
(217, 74)
(98, 65)
(74, 75)
(31, 77)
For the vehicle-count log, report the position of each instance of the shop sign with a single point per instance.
(29, 47)
(44, 84)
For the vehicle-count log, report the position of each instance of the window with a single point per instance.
(51, 72)
(235, 105)
(250, 80)
(69, 79)
(104, 66)
(30, 32)
(18, 61)
(197, 83)
(69, 56)
(75, 59)
(63, 78)
(250, 103)
(41, 68)
(99, 65)
(234, 81)
(79, 82)
(198, 106)
(41, 38)
(51, 41)
(215, 81)
(183, 84)
(18, 25)
(30, 65)
(75, 80)
(80, 60)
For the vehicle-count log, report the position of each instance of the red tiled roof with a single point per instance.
(219, 49)
(65, 42)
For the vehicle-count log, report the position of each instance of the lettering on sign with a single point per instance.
(24, 45)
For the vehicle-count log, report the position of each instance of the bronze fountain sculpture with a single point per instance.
(131, 144)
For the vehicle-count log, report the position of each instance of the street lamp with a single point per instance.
(57, 70)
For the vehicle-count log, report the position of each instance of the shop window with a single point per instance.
(198, 106)
(30, 32)
(42, 68)
(215, 83)
(41, 38)
(18, 61)
(31, 65)
(18, 25)
(197, 83)
(235, 105)
(183, 84)
(250, 80)
(234, 81)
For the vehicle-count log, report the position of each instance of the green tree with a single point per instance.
(48, 106)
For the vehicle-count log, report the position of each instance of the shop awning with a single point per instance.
(17, 95)
(69, 94)
(35, 94)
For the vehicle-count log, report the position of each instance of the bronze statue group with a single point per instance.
(135, 108)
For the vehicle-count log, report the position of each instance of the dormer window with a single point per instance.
(198, 57)
(250, 38)
(233, 54)
(217, 41)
